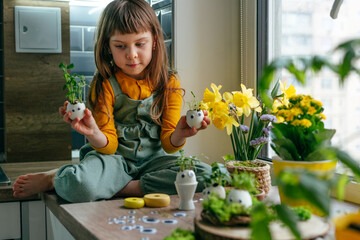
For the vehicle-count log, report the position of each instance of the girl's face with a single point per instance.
(132, 52)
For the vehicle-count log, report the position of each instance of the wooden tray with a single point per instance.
(311, 229)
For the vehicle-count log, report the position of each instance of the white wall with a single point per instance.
(207, 41)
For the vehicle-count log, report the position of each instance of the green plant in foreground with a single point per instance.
(245, 181)
(181, 234)
(75, 88)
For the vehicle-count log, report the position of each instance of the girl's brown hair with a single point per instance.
(131, 16)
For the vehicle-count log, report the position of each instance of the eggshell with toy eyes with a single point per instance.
(77, 110)
(186, 177)
(194, 118)
(239, 196)
(217, 189)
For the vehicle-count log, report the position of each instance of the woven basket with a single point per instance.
(262, 173)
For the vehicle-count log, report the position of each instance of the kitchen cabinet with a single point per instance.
(10, 220)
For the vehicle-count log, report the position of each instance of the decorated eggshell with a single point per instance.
(218, 189)
(77, 110)
(240, 196)
(186, 177)
(194, 118)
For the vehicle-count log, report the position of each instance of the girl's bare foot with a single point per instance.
(132, 189)
(30, 184)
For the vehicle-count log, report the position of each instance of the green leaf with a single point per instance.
(302, 184)
(287, 216)
(260, 220)
(286, 148)
(342, 181)
(348, 161)
(70, 66)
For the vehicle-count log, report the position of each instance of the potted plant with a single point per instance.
(303, 139)
(230, 111)
(216, 181)
(185, 182)
(194, 116)
(75, 89)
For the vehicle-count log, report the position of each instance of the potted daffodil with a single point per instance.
(75, 90)
(230, 111)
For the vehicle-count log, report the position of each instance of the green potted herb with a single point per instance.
(75, 90)
(216, 181)
(185, 182)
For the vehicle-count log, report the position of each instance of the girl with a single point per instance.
(133, 129)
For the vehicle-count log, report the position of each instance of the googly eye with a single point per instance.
(208, 192)
(231, 200)
(73, 110)
(191, 174)
(199, 114)
(183, 175)
(240, 201)
(79, 109)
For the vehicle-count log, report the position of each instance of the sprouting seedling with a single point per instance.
(75, 88)
(194, 104)
(186, 162)
(244, 180)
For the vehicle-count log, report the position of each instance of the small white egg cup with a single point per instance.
(186, 193)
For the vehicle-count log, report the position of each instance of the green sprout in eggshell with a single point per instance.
(75, 88)
(186, 162)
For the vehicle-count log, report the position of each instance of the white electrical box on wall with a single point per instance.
(38, 29)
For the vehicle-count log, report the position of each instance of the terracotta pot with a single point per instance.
(262, 172)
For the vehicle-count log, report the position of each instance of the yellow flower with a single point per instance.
(303, 123)
(316, 103)
(220, 108)
(296, 111)
(290, 91)
(245, 100)
(211, 97)
(322, 116)
(311, 110)
(223, 121)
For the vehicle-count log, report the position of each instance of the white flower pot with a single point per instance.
(186, 193)
(77, 110)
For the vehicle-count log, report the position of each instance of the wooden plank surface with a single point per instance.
(91, 220)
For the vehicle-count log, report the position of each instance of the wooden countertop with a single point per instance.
(14, 170)
(92, 220)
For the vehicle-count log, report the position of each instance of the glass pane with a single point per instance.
(302, 28)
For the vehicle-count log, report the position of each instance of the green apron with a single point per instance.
(139, 156)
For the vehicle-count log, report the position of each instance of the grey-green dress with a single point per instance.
(138, 157)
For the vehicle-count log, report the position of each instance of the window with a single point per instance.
(300, 28)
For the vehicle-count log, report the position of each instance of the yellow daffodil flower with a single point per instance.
(245, 100)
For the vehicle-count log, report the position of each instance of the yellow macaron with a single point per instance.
(134, 202)
(157, 200)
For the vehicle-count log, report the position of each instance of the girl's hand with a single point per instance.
(183, 131)
(86, 126)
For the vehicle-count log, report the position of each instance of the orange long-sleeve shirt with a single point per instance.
(137, 90)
